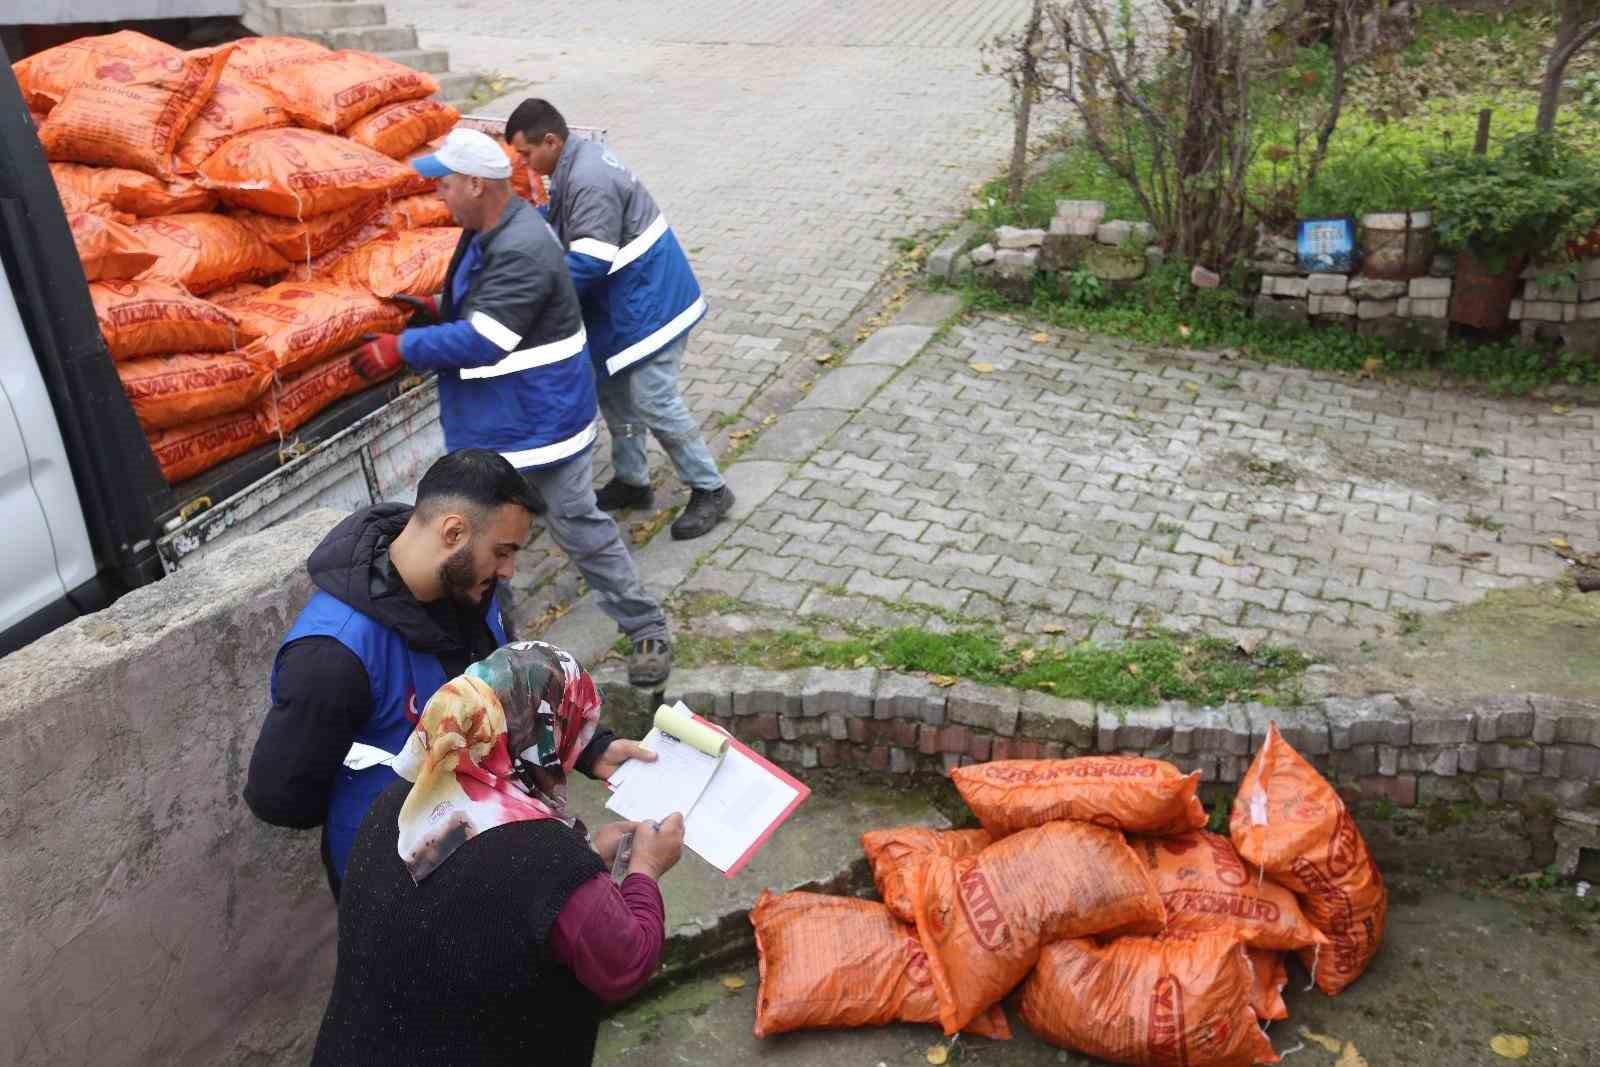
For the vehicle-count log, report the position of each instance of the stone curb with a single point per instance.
(1410, 748)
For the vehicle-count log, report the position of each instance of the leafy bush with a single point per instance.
(1536, 192)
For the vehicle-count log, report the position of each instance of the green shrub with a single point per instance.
(1535, 192)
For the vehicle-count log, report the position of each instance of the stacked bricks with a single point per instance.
(1410, 313)
(1080, 237)
(1566, 312)
(1408, 748)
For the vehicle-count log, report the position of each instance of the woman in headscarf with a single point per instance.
(478, 923)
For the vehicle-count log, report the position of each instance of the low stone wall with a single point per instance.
(1409, 749)
(1569, 313)
(147, 917)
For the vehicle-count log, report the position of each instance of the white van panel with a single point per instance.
(46, 545)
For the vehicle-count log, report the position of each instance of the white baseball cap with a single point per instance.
(469, 152)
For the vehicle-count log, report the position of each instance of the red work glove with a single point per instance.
(423, 307)
(378, 358)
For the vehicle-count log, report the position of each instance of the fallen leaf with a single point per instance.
(1045, 685)
(982, 368)
(1052, 628)
(943, 681)
(1351, 1057)
(1193, 387)
(1041, 338)
(1560, 409)
(826, 357)
(938, 1054)
(1509, 1046)
(1473, 557)
(1559, 542)
(732, 981)
(1133, 668)
(1332, 1044)
(740, 435)
(1251, 641)
(1227, 561)
(861, 661)
(1370, 367)
(1183, 331)
(1028, 655)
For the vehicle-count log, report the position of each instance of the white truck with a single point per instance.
(86, 512)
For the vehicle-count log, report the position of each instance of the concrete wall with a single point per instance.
(58, 11)
(145, 915)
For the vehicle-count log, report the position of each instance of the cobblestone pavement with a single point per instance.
(789, 145)
(1045, 481)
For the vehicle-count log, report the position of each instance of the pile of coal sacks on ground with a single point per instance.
(1095, 893)
(244, 215)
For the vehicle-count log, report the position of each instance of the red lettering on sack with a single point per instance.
(981, 911)
(1230, 869)
(1345, 851)
(1166, 1023)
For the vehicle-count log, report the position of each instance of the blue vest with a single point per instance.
(402, 682)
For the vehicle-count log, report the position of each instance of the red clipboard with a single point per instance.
(802, 791)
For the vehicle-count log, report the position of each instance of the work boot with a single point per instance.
(617, 495)
(650, 662)
(705, 507)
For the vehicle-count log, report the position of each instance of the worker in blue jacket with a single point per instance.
(640, 299)
(512, 357)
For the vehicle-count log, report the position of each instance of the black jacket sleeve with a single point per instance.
(323, 698)
(595, 749)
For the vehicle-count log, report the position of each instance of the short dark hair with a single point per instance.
(533, 119)
(481, 479)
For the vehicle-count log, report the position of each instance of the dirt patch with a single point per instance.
(1538, 639)
(1253, 471)
(1441, 479)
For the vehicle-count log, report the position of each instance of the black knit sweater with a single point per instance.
(457, 970)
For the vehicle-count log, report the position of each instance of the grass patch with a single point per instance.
(1164, 309)
(1144, 670)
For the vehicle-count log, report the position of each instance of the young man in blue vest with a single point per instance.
(512, 358)
(640, 299)
(405, 601)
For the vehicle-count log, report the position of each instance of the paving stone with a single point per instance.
(1089, 210)
(707, 690)
(1376, 288)
(1401, 790)
(985, 707)
(1429, 289)
(1441, 760)
(847, 692)
(1115, 232)
(1522, 756)
(1375, 720)
(1569, 722)
(1503, 717)
(797, 434)
(757, 692)
(1224, 730)
(1438, 722)
(1327, 284)
(1143, 729)
(845, 388)
(1012, 237)
(1047, 718)
(892, 346)
(906, 696)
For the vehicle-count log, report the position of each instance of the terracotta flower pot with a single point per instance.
(1482, 297)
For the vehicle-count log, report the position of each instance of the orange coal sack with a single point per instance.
(298, 173)
(1289, 821)
(133, 113)
(397, 130)
(300, 323)
(1155, 1002)
(131, 191)
(333, 91)
(185, 451)
(524, 182)
(259, 59)
(839, 962)
(1128, 793)
(146, 318)
(984, 918)
(326, 266)
(203, 252)
(1270, 975)
(46, 77)
(419, 212)
(897, 857)
(300, 239)
(108, 249)
(1206, 888)
(173, 390)
(233, 294)
(414, 262)
(295, 398)
(235, 107)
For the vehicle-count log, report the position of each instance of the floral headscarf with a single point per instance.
(494, 746)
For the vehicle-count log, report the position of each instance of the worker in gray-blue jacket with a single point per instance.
(512, 357)
(640, 299)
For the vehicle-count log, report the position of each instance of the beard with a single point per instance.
(460, 580)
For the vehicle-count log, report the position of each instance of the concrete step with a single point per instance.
(818, 848)
(432, 60)
(456, 86)
(369, 38)
(327, 15)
